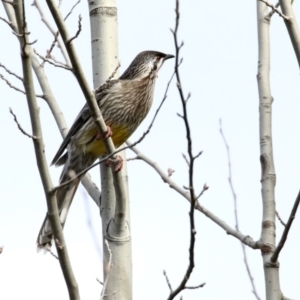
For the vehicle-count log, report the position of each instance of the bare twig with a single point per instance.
(186, 159)
(190, 161)
(272, 12)
(274, 9)
(292, 26)
(168, 281)
(20, 127)
(11, 72)
(71, 10)
(11, 85)
(170, 172)
(204, 189)
(236, 213)
(279, 218)
(98, 280)
(287, 228)
(132, 158)
(195, 287)
(109, 267)
(59, 65)
(91, 226)
(55, 33)
(78, 31)
(109, 78)
(6, 21)
(52, 253)
(16, 88)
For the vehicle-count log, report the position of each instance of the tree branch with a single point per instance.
(40, 155)
(236, 214)
(20, 127)
(55, 33)
(292, 26)
(11, 72)
(287, 228)
(190, 161)
(274, 9)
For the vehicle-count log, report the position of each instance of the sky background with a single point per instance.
(219, 69)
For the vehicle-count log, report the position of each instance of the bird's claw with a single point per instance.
(107, 134)
(118, 160)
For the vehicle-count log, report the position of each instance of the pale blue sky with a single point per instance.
(219, 69)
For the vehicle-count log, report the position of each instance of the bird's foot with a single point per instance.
(118, 160)
(107, 134)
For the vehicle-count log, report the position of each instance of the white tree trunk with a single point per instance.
(268, 176)
(104, 41)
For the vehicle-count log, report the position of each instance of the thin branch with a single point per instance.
(52, 253)
(272, 12)
(71, 10)
(195, 287)
(40, 155)
(91, 226)
(204, 189)
(292, 26)
(20, 127)
(56, 36)
(254, 290)
(78, 31)
(279, 218)
(55, 33)
(168, 281)
(109, 78)
(16, 88)
(11, 85)
(59, 65)
(186, 159)
(274, 9)
(108, 271)
(11, 72)
(170, 172)
(287, 228)
(6, 21)
(190, 161)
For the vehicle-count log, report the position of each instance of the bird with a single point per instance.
(124, 103)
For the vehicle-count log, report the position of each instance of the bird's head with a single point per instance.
(145, 63)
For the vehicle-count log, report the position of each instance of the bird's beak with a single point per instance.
(168, 56)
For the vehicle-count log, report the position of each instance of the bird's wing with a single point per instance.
(83, 116)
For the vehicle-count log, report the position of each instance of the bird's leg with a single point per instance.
(107, 134)
(119, 163)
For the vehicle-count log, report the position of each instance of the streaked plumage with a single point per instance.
(124, 103)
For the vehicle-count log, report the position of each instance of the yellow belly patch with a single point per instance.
(119, 136)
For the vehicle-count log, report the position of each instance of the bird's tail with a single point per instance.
(64, 196)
